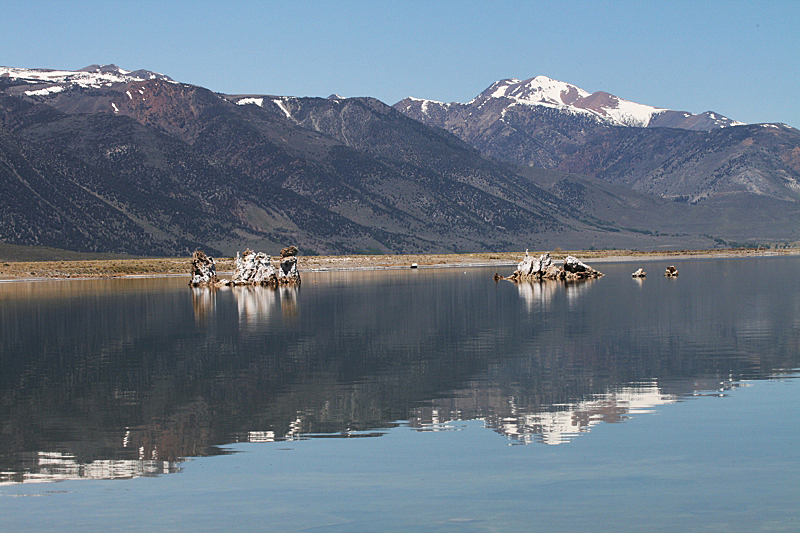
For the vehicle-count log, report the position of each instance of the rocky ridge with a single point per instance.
(105, 159)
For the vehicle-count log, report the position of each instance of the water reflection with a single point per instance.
(552, 425)
(576, 289)
(128, 378)
(204, 302)
(254, 303)
(537, 294)
(55, 466)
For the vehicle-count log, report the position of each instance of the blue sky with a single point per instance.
(738, 58)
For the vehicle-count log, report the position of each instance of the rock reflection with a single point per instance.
(577, 289)
(537, 294)
(204, 302)
(254, 303)
(288, 297)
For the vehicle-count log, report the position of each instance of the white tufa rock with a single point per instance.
(253, 269)
(530, 269)
(204, 269)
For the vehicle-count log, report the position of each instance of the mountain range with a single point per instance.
(104, 159)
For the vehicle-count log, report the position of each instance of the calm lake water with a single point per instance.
(406, 400)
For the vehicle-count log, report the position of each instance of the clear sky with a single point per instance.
(738, 58)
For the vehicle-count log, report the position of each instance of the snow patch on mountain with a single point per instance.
(278, 102)
(93, 76)
(244, 101)
(46, 91)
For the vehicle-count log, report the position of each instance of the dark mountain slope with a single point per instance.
(167, 189)
(370, 126)
(352, 200)
(696, 166)
(413, 203)
(43, 202)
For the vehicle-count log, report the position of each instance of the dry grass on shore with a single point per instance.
(181, 266)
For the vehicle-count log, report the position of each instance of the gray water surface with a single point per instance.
(406, 400)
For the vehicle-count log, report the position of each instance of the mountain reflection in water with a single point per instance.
(126, 378)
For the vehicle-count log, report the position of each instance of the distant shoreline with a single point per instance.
(160, 267)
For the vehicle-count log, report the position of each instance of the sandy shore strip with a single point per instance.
(154, 267)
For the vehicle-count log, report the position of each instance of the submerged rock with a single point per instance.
(639, 274)
(204, 270)
(530, 269)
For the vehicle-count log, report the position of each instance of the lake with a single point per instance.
(406, 400)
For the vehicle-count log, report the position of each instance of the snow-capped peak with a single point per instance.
(544, 91)
(538, 90)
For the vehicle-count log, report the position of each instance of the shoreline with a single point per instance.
(168, 267)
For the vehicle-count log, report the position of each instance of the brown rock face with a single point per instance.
(290, 251)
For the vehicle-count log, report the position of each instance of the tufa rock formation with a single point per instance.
(204, 270)
(639, 274)
(253, 269)
(287, 273)
(250, 269)
(671, 272)
(530, 269)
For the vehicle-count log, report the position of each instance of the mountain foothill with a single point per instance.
(107, 160)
